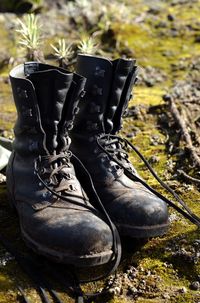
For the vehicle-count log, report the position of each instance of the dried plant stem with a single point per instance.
(36, 55)
(186, 176)
(192, 125)
(181, 123)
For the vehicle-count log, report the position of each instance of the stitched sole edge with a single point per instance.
(142, 231)
(61, 257)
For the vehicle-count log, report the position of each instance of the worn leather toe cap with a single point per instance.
(138, 207)
(73, 232)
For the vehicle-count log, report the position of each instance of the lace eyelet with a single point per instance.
(48, 181)
(68, 176)
(46, 194)
(72, 187)
(22, 93)
(97, 91)
(131, 96)
(27, 112)
(42, 170)
(33, 145)
(64, 160)
(96, 150)
(76, 110)
(99, 72)
(70, 126)
(92, 126)
(94, 108)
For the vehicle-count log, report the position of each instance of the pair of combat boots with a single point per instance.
(71, 197)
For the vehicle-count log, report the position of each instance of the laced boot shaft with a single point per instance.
(106, 80)
(108, 90)
(56, 217)
(133, 208)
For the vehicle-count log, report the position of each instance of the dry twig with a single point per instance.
(186, 135)
(186, 176)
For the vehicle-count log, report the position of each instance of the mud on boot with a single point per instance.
(56, 217)
(132, 207)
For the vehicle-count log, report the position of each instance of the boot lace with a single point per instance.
(50, 170)
(117, 150)
(53, 171)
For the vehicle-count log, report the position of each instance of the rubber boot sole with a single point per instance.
(61, 257)
(142, 231)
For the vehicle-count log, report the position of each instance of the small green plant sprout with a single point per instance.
(63, 52)
(87, 45)
(30, 37)
(114, 12)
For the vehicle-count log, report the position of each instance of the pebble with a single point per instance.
(166, 296)
(183, 290)
(166, 98)
(195, 285)
(154, 10)
(164, 119)
(130, 135)
(161, 24)
(5, 258)
(2, 178)
(115, 290)
(197, 39)
(154, 159)
(173, 218)
(170, 17)
(133, 111)
(132, 290)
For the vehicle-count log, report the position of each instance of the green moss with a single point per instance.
(149, 43)
(119, 300)
(8, 110)
(147, 95)
(7, 48)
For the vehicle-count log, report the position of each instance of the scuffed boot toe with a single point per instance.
(80, 238)
(140, 215)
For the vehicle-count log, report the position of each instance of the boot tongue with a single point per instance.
(124, 100)
(70, 109)
(121, 70)
(51, 87)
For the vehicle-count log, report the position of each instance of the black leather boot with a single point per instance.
(132, 207)
(57, 220)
